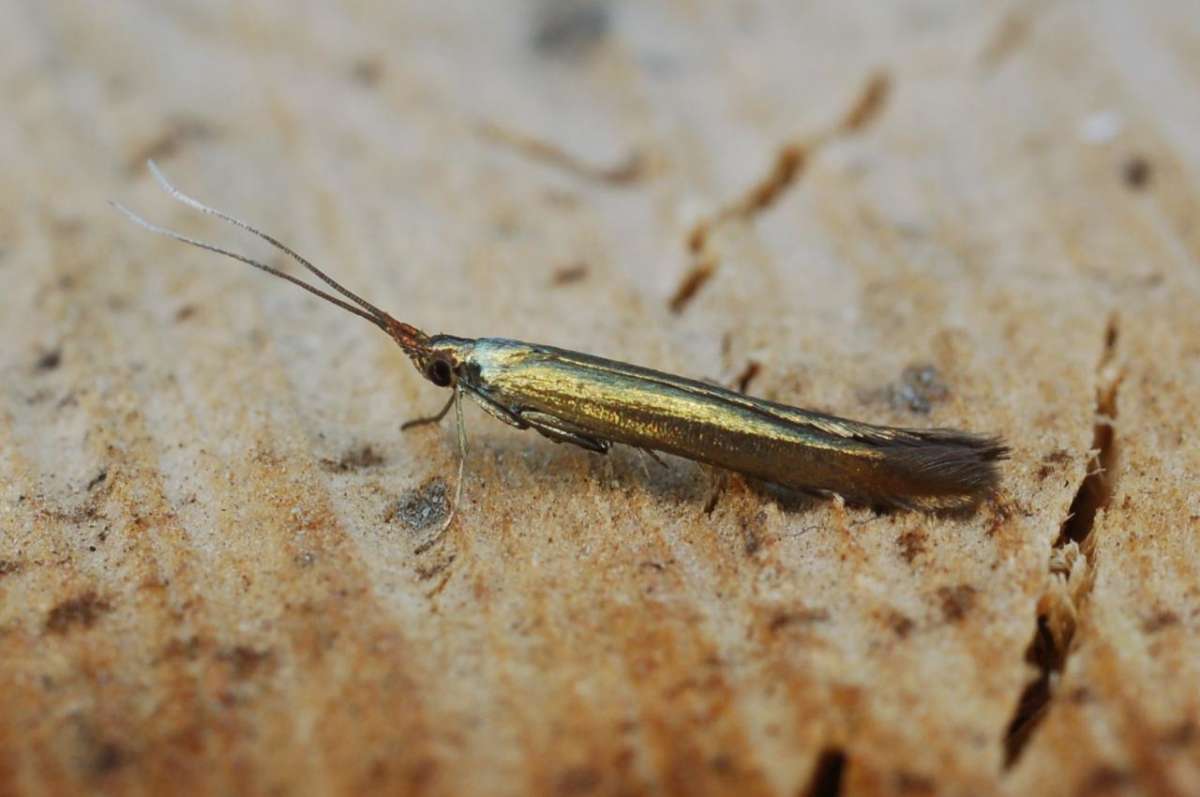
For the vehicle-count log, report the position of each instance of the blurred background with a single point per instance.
(922, 213)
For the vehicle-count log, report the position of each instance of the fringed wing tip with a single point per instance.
(949, 469)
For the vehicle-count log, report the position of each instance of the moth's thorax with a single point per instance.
(456, 348)
(490, 358)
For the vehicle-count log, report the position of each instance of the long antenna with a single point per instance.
(203, 208)
(409, 337)
(250, 262)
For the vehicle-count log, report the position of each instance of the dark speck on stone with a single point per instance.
(1136, 172)
(569, 28)
(422, 507)
(50, 360)
(920, 386)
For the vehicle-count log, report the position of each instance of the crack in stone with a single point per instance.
(1012, 33)
(625, 172)
(1070, 569)
(826, 780)
(786, 169)
(700, 273)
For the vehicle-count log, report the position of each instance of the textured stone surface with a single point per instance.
(211, 565)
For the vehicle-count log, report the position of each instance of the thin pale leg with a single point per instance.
(429, 418)
(462, 463)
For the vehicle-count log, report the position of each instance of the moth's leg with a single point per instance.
(462, 464)
(650, 452)
(498, 410)
(718, 481)
(548, 425)
(428, 418)
(560, 431)
(462, 454)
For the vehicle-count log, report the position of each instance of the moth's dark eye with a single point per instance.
(439, 372)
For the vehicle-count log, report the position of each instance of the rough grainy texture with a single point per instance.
(212, 570)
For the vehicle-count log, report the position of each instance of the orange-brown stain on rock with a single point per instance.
(912, 543)
(81, 611)
(956, 601)
(370, 702)
(688, 708)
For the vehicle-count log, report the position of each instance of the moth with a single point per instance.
(593, 403)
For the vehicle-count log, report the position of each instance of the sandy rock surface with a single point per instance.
(213, 576)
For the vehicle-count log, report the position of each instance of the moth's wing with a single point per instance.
(828, 424)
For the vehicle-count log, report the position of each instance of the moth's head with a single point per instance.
(442, 360)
